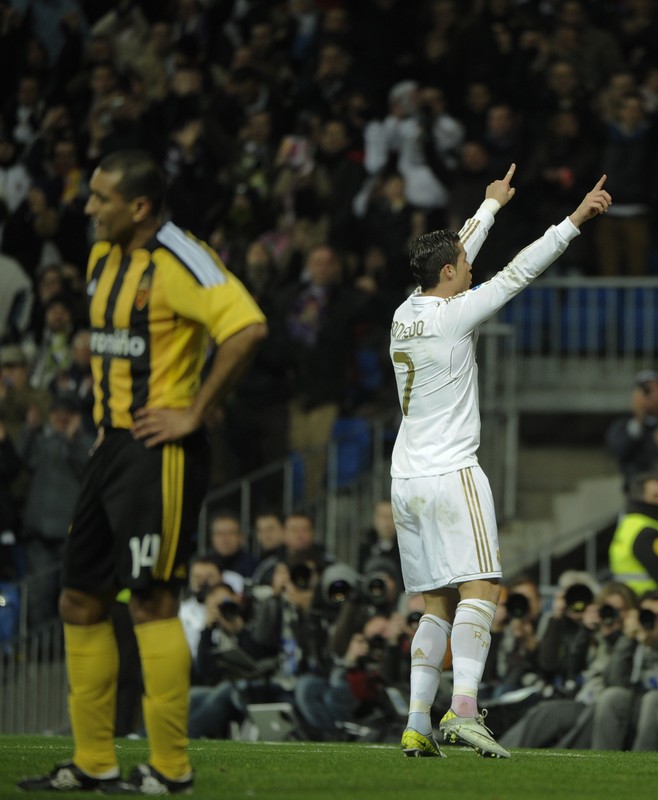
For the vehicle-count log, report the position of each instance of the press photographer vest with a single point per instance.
(623, 564)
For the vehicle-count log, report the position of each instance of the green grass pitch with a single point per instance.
(230, 770)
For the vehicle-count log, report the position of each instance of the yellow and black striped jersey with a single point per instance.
(151, 313)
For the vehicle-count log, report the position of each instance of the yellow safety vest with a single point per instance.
(623, 564)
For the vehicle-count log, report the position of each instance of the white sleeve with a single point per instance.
(464, 312)
(475, 230)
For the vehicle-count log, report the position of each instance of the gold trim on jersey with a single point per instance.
(173, 475)
(468, 230)
(483, 550)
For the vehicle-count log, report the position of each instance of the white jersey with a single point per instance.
(433, 352)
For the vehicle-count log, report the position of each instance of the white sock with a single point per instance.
(428, 652)
(471, 637)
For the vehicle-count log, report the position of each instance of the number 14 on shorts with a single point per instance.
(145, 552)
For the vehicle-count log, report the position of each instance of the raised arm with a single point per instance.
(501, 191)
(475, 230)
(595, 202)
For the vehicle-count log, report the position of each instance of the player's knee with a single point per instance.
(79, 608)
(150, 605)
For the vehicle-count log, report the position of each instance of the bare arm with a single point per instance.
(158, 425)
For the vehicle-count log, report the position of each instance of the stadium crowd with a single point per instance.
(307, 142)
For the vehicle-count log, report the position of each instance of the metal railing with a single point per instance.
(580, 341)
(33, 691)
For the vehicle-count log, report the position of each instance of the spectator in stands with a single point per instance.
(270, 537)
(55, 451)
(381, 539)
(321, 313)
(15, 300)
(336, 156)
(77, 379)
(331, 82)
(54, 353)
(630, 162)
(562, 165)
(29, 232)
(256, 412)
(228, 544)
(595, 50)
(633, 552)
(49, 20)
(24, 114)
(560, 90)
(608, 100)
(14, 178)
(472, 176)
(300, 539)
(421, 138)
(388, 221)
(17, 397)
(633, 440)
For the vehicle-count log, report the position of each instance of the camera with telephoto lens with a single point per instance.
(375, 588)
(301, 576)
(518, 605)
(578, 596)
(202, 592)
(230, 610)
(341, 583)
(608, 614)
(413, 618)
(647, 619)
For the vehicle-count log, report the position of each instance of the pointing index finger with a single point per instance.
(511, 171)
(599, 185)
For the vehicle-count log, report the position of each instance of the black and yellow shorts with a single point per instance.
(136, 514)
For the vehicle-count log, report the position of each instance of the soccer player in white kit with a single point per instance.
(442, 503)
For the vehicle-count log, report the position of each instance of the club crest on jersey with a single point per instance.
(143, 292)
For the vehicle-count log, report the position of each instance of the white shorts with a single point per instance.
(447, 530)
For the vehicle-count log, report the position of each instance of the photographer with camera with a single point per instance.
(633, 439)
(511, 678)
(564, 718)
(576, 591)
(227, 652)
(356, 598)
(375, 665)
(294, 623)
(203, 574)
(512, 661)
(626, 712)
(633, 551)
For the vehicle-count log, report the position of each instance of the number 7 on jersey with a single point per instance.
(400, 357)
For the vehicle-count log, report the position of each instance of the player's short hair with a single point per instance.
(429, 253)
(140, 176)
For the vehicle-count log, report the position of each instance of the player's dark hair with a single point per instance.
(429, 253)
(140, 176)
